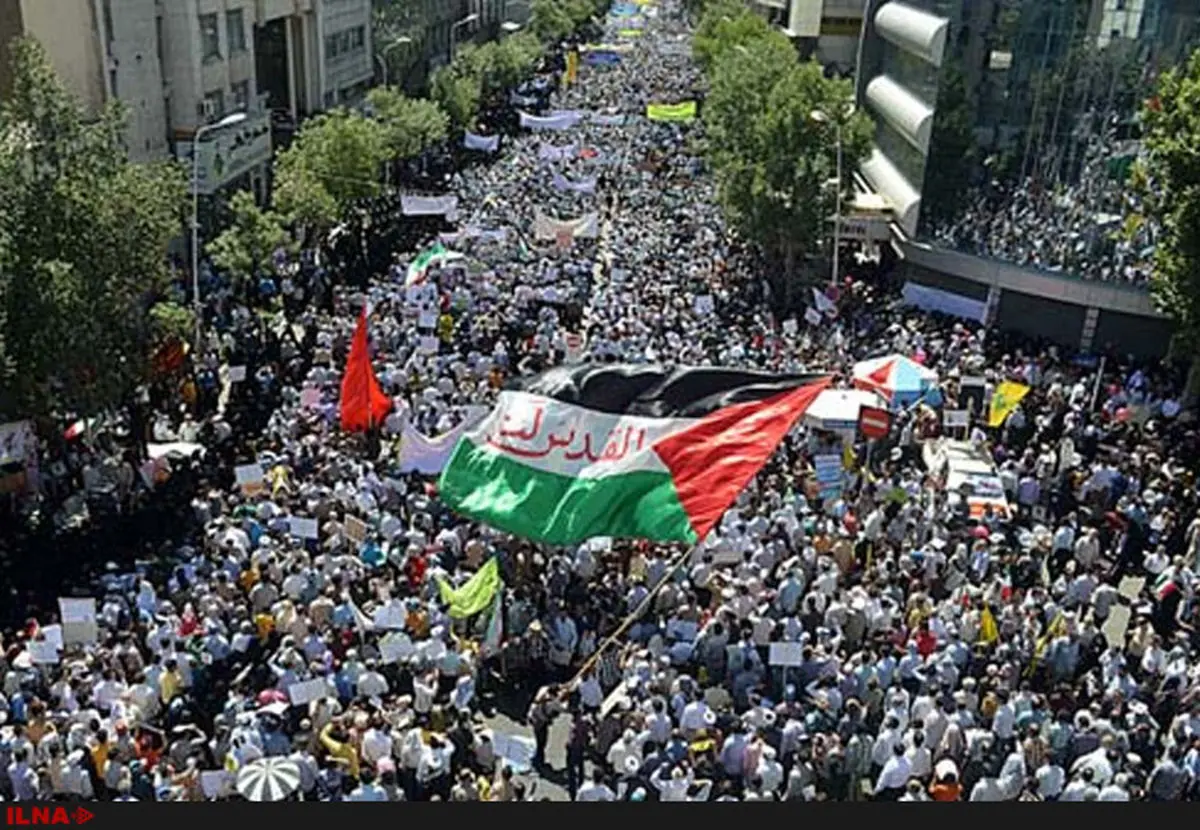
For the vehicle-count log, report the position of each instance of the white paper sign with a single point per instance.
(790, 326)
(79, 621)
(237, 374)
(953, 418)
(304, 528)
(703, 304)
(390, 616)
(216, 783)
(812, 316)
(310, 397)
(53, 634)
(786, 654)
(396, 647)
(250, 478)
(427, 319)
(303, 693)
(516, 750)
(1115, 626)
(42, 652)
(428, 344)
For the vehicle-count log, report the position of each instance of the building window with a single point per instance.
(241, 96)
(210, 38)
(236, 31)
(358, 38)
(214, 105)
(331, 47)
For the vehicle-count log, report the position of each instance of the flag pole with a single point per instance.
(635, 614)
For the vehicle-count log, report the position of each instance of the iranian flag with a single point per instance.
(436, 254)
(640, 452)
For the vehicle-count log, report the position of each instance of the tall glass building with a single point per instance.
(1005, 134)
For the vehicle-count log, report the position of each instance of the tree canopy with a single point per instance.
(1168, 178)
(83, 244)
(335, 160)
(774, 161)
(411, 125)
(246, 248)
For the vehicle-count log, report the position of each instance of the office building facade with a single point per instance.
(1005, 133)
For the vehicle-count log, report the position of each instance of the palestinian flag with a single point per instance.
(636, 452)
(436, 254)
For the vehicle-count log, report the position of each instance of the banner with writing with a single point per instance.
(429, 206)
(683, 111)
(601, 58)
(585, 227)
(486, 143)
(561, 182)
(551, 152)
(555, 121)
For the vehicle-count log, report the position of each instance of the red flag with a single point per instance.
(363, 403)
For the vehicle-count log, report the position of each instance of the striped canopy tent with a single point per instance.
(899, 379)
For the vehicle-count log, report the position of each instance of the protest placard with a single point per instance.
(53, 634)
(303, 693)
(310, 397)
(356, 529)
(790, 326)
(304, 528)
(250, 478)
(395, 647)
(79, 621)
(42, 652)
(516, 750)
(703, 304)
(812, 316)
(237, 374)
(955, 418)
(785, 654)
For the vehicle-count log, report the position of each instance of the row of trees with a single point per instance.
(773, 125)
(86, 298)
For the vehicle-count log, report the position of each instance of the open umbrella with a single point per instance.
(898, 378)
(837, 409)
(268, 779)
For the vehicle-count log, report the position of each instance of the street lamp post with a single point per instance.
(471, 18)
(227, 121)
(403, 40)
(821, 118)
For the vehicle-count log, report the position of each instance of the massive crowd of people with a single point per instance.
(935, 654)
(1088, 226)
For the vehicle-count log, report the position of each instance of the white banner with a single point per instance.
(429, 206)
(561, 182)
(555, 121)
(429, 456)
(549, 152)
(608, 120)
(935, 299)
(487, 143)
(499, 235)
(585, 227)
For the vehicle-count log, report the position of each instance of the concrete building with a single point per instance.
(825, 30)
(180, 64)
(1004, 129)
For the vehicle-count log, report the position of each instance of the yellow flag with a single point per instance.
(572, 66)
(848, 457)
(683, 111)
(475, 594)
(1057, 628)
(1004, 400)
(988, 630)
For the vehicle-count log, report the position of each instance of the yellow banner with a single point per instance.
(683, 111)
(572, 72)
(1004, 400)
(630, 33)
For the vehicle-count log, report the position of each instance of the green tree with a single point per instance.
(245, 250)
(83, 235)
(458, 92)
(411, 125)
(336, 159)
(725, 25)
(1168, 179)
(773, 160)
(550, 20)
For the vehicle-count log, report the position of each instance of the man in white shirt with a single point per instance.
(596, 789)
(894, 778)
(367, 789)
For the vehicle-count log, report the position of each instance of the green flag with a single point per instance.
(475, 594)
